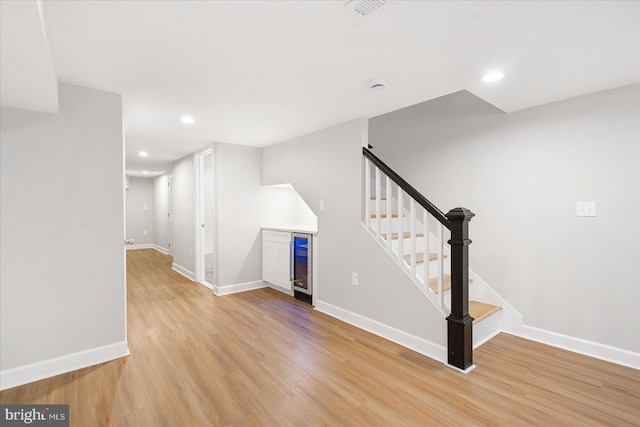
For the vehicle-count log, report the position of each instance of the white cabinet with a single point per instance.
(276, 258)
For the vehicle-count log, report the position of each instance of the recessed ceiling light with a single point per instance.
(187, 119)
(143, 154)
(145, 172)
(493, 76)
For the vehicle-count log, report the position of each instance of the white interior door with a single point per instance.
(206, 225)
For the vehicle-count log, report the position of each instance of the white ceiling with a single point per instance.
(27, 75)
(261, 72)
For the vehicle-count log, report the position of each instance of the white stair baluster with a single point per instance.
(389, 198)
(400, 222)
(367, 192)
(427, 248)
(440, 264)
(412, 232)
(378, 197)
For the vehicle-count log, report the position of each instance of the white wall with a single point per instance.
(283, 206)
(139, 203)
(62, 278)
(161, 212)
(304, 214)
(208, 194)
(328, 165)
(183, 210)
(238, 172)
(522, 174)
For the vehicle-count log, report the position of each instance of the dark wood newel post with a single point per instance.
(459, 323)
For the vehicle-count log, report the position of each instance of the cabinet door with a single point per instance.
(276, 263)
(270, 262)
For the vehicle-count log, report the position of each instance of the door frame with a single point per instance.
(169, 216)
(199, 252)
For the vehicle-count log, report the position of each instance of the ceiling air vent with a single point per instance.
(365, 7)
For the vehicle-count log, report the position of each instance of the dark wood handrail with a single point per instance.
(430, 207)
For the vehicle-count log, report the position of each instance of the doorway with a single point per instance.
(205, 225)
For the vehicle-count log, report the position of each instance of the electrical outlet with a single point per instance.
(145, 207)
(585, 208)
(321, 206)
(145, 232)
(354, 279)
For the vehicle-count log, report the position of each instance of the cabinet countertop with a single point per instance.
(293, 228)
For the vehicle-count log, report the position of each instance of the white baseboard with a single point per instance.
(405, 339)
(462, 371)
(238, 287)
(141, 246)
(206, 284)
(600, 351)
(14, 377)
(161, 249)
(186, 273)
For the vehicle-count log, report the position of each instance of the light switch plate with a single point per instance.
(321, 206)
(585, 208)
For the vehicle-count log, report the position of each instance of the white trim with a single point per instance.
(462, 371)
(238, 287)
(186, 273)
(161, 249)
(600, 351)
(14, 377)
(141, 246)
(405, 339)
(200, 250)
(206, 284)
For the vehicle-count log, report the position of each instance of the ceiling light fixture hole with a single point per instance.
(377, 84)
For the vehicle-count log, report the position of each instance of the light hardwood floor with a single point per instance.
(261, 358)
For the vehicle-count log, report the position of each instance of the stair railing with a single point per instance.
(380, 176)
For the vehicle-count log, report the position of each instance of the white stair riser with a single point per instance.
(433, 270)
(383, 206)
(486, 329)
(395, 225)
(406, 245)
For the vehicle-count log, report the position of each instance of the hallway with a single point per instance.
(261, 358)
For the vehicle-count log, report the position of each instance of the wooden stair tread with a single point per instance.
(384, 216)
(446, 284)
(481, 310)
(420, 257)
(394, 236)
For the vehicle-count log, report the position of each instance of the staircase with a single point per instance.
(413, 232)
